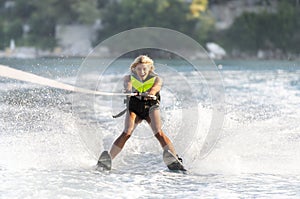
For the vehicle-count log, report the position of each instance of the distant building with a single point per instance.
(75, 40)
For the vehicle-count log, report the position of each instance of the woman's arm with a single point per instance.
(156, 87)
(127, 84)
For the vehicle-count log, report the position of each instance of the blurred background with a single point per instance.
(228, 29)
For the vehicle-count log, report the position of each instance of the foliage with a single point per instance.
(267, 31)
(33, 22)
(42, 17)
(127, 14)
(198, 6)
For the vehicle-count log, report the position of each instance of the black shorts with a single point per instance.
(142, 107)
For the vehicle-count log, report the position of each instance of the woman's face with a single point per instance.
(142, 70)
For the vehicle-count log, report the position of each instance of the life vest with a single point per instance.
(142, 86)
(138, 104)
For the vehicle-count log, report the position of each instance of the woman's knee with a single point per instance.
(128, 130)
(156, 129)
(159, 135)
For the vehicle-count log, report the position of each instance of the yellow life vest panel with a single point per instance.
(141, 86)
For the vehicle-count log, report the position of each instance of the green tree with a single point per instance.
(287, 27)
(42, 17)
(10, 26)
(267, 30)
(122, 15)
(87, 11)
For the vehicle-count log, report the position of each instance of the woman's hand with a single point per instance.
(148, 96)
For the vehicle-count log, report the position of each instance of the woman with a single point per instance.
(143, 106)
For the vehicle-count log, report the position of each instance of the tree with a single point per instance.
(10, 27)
(287, 27)
(127, 14)
(198, 6)
(40, 19)
(87, 11)
(267, 30)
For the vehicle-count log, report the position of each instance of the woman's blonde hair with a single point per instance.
(142, 59)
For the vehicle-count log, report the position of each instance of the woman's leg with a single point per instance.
(131, 122)
(155, 123)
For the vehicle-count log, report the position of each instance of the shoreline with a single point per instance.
(33, 53)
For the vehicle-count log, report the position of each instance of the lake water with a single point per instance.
(50, 139)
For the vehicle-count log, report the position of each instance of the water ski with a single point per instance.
(104, 161)
(172, 161)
